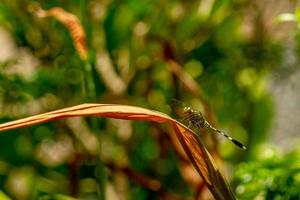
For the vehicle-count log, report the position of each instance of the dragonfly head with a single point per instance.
(187, 109)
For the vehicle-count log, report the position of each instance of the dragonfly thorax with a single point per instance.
(195, 118)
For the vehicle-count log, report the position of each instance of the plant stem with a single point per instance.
(89, 88)
(89, 92)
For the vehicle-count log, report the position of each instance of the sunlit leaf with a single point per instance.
(193, 147)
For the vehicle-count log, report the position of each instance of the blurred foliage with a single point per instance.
(228, 55)
(273, 176)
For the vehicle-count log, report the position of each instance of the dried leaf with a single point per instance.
(70, 21)
(199, 156)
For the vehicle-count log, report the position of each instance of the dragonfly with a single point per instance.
(195, 119)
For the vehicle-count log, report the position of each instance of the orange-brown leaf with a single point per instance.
(70, 21)
(193, 147)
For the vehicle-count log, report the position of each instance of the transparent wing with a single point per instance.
(178, 108)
